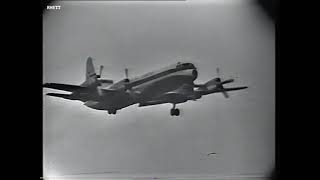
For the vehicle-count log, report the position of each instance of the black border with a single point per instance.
(34, 70)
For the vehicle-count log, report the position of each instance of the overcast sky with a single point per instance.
(143, 37)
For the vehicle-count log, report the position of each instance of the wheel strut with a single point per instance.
(174, 111)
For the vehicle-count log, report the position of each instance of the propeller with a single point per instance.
(100, 71)
(221, 82)
(218, 79)
(216, 85)
(225, 94)
(127, 88)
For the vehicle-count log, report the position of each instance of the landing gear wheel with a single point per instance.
(174, 112)
(112, 111)
(177, 112)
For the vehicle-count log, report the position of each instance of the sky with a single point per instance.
(142, 37)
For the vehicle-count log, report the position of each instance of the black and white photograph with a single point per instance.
(158, 90)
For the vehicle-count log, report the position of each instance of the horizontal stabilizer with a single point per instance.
(63, 87)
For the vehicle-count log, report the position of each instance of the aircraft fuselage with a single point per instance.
(145, 87)
(172, 84)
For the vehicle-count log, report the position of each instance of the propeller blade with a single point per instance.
(219, 79)
(126, 72)
(101, 68)
(225, 94)
(227, 81)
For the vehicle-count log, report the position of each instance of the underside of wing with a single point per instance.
(106, 91)
(179, 95)
(152, 102)
(170, 97)
(63, 87)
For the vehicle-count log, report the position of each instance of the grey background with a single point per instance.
(143, 37)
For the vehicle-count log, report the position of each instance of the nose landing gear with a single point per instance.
(174, 111)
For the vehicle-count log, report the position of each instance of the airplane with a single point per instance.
(173, 84)
(211, 153)
(207, 155)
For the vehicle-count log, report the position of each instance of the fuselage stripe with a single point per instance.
(158, 75)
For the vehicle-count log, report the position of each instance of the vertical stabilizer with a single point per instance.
(90, 72)
(91, 76)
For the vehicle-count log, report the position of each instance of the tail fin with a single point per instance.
(90, 72)
(91, 76)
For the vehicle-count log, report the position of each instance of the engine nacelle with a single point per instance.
(95, 105)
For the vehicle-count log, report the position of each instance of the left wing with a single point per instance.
(65, 96)
(63, 87)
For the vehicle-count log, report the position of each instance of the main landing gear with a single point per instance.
(112, 112)
(174, 111)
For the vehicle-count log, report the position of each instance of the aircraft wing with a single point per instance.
(171, 97)
(107, 91)
(179, 95)
(183, 94)
(234, 89)
(65, 96)
(152, 102)
(63, 87)
(217, 90)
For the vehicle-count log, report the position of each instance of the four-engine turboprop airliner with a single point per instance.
(173, 84)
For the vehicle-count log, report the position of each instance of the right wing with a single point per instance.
(179, 95)
(217, 90)
(63, 87)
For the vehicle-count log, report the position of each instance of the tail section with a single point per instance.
(91, 76)
(90, 72)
